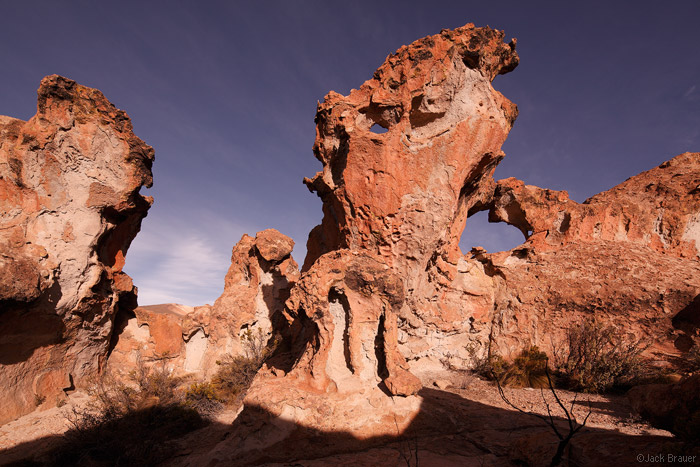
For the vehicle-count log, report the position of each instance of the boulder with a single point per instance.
(673, 407)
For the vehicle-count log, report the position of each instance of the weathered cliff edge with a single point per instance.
(627, 256)
(69, 208)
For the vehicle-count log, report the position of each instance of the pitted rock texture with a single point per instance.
(627, 257)
(69, 208)
(405, 194)
(659, 208)
(192, 339)
(344, 308)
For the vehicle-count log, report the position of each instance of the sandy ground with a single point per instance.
(610, 413)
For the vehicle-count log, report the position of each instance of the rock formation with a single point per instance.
(192, 339)
(386, 300)
(674, 407)
(69, 209)
(405, 194)
(394, 205)
(345, 309)
(627, 256)
(658, 209)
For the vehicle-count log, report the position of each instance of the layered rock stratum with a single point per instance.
(70, 205)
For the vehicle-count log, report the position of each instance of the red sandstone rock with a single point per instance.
(659, 208)
(404, 195)
(192, 339)
(627, 257)
(69, 208)
(387, 249)
(345, 307)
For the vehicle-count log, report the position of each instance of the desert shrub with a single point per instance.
(204, 398)
(236, 372)
(129, 422)
(145, 386)
(599, 358)
(527, 370)
(137, 437)
(234, 376)
(490, 366)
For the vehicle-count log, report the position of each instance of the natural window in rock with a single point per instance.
(494, 237)
(378, 129)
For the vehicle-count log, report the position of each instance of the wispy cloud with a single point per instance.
(182, 262)
(691, 94)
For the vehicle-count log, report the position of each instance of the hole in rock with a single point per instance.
(497, 236)
(382, 371)
(340, 307)
(378, 129)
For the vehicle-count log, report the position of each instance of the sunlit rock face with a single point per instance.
(387, 250)
(627, 257)
(659, 209)
(191, 339)
(69, 208)
(404, 194)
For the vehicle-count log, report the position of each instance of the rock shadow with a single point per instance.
(25, 328)
(449, 430)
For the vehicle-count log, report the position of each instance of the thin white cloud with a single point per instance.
(172, 261)
(690, 94)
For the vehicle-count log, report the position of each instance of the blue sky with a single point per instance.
(226, 94)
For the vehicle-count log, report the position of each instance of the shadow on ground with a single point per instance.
(448, 431)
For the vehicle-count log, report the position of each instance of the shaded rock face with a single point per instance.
(69, 209)
(404, 194)
(627, 256)
(192, 339)
(344, 308)
(674, 407)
